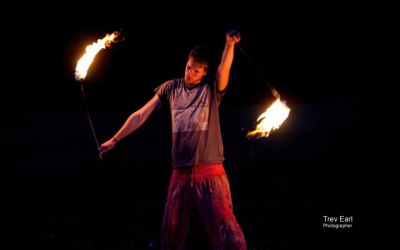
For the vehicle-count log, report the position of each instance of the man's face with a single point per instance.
(194, 72)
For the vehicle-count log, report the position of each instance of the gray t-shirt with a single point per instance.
(196, 134)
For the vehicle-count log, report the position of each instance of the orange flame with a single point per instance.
(271, 119)
(91, 51)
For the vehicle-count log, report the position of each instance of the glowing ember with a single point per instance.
(91, 51)
(271, 119)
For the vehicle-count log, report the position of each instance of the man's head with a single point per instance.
(197, 65)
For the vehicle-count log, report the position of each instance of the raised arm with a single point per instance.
(223, 70)
(133, 122)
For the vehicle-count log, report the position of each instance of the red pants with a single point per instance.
(205, 188)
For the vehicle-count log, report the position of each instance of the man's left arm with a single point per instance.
(223, 70)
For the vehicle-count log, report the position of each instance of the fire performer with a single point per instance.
(198, 179)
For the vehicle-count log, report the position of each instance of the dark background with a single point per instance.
(57, 193)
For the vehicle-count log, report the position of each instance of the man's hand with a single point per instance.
(233, 36)
(107, 146)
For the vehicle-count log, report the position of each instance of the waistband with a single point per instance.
(199, 171)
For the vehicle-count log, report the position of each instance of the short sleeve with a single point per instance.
(218, 93)
(164, 90)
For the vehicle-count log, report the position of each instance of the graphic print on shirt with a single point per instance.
(191, 110)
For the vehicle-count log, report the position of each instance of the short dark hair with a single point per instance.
(201, 55)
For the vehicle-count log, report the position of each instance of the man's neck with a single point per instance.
(192, 85)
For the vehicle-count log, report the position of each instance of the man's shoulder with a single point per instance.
(175, 82)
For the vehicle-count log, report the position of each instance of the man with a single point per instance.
(198, 178)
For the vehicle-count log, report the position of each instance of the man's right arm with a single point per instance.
(133, 122)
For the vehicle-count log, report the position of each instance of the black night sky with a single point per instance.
(57, 193)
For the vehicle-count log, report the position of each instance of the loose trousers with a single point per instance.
(205, 188)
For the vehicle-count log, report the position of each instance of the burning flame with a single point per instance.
(271, 119)
(91, 51)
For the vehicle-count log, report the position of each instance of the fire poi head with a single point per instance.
(271, 119)
(91, 51)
